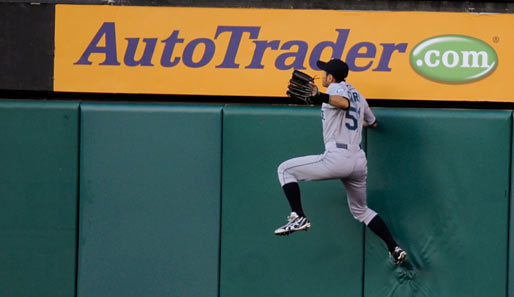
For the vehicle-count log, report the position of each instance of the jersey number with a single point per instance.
(353, 114)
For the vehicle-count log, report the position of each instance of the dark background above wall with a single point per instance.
(26, 46)
(468, 6)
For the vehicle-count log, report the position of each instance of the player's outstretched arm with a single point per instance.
(334, 100)
(339, 101)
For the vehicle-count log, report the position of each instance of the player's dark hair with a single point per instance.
(335, 79)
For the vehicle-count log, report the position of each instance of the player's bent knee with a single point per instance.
(358, 216)
(284, 175)
(363, 215)
(281, 168)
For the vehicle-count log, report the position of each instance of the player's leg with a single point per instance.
(379, 227)
(289, 173)
(313, 167)
(357, 201)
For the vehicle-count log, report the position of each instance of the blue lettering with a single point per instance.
(208, 53)
(337, 48)
(260, 47)
(109, 50)
(354, 53)
(353, 115)
(299, 56)
(389, 49)
(169, 47)
(235, 41)
(146, 59)
(355, 97)
(363, 52)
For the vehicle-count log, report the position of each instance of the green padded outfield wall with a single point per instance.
(325, 261)
(149, 200)
(38, 198)
(440, 178)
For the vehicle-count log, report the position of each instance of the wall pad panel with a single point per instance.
(326, 260)
(440, 179)
(38, 198)
(149, 200)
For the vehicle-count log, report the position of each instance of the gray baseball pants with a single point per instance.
(347, 164)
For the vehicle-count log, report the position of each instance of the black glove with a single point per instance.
(300, 88)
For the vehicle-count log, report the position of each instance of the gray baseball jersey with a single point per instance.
(343, 157)
(345, 126)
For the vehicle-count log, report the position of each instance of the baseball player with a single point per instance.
(344, 111)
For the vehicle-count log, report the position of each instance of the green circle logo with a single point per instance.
(453, 59)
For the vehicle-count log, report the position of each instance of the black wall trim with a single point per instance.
(200, 99)
(498, 6)
(27, 46)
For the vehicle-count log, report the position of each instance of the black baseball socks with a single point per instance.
(378, 226)
(292, 191)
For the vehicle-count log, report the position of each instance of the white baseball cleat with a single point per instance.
(294, 223)
(398, 255)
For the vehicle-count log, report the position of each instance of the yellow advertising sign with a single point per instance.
(252, 52)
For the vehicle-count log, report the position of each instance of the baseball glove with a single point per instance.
(300, 87)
